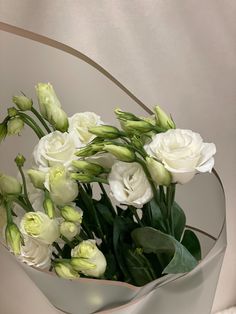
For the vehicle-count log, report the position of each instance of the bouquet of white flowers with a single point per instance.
(134, 231)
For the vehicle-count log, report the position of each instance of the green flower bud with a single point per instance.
(163, 120)
(90, 150)
(69, 213)
(12, 112)
(122, 115)
(20, 160)
(137, 126)
(69, 229)
(158, 172)
(14, 238)
(50, 107)
(22, 102)
(105, 131)
(15, 126)
(3, 131)
(64, 270)
(37, 178)
(9, 185)
(120, 152)
(83, 178)
(88, 167)
(49, 207)
(137, 142)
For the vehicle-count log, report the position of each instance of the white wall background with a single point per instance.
(180, 54)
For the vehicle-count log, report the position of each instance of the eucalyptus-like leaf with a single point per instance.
(155, 241)
(191, 242)
(179, 221)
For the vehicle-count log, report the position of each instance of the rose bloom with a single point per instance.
(53, 149)
(129, 184)
(79, 125)
(183, 153)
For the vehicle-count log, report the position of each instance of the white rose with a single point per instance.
(183, 153)
(35, 253)
(39, 226)
(80, 123)
(129, 184)
(53, 149)
(62, 188)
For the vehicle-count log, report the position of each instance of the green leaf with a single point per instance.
(139, 267)
(3, 131)
(111, 272)
(191, 242)
(179, 220)
(104, 211)
(152, 215)
(121, 234)
(154, 241)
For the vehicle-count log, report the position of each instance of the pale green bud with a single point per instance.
(15, 126)
(50, 107)
(49, 207)
(163, 120)
(122, 115)
(83, 178)
(105, 131)
(158, 172)
(37, 178)
(12, 112)
(90, 150)
(9, 185)
(137, 126)
(86, 166)
(64, 270)
(22, 102)
(120, 152)
(13, 238)
(69, 213)
(20, 160)
(88, 259)
(69, 229)
(3, 131)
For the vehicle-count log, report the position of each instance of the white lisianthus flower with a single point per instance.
(88, 259)
(40, 227)
(183, 153)
(129, 184)
(53, 149)
(80, 123)
(62, 188)
(34, 253)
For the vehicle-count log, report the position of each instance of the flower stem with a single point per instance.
(8, 212)
(170, 196)
(31, 123)
(22, 204)
(107, 198)
(25, 189)
(41, 119)
(134, 211)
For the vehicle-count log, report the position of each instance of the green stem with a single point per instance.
(25, 189)
(134, 211)
(170, 196)
(31, 123)
(67, 241)
(22, 204)
(41, 119)
(107, 199)
(57, 247)
(8, 212)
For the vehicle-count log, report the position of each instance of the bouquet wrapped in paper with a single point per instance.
(98, 201)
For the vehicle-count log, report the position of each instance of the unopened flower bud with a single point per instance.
(87, 167)
(69, 213)
(12, 112)
(37, 178)
(158, 172)
(9, 185)
(90, 150)
(163, 120)
(137, 126)
(88, 259)
(49, 207)
(81, 177)
(120, 152)
(122, 115)
(64, 270)
(69, 229)
(105, 131)
(20, 160)
(50, 107)
(22, 102)
(13, 238)
(15, 126)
